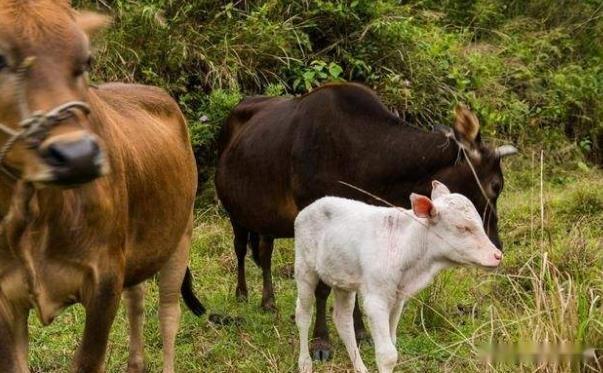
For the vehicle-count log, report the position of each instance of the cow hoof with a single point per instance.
(241, 295)
(362, 336)
(136, 367)
(321, 351)
(287, 271)
(269, 305)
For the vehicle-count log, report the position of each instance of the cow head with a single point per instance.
(477, 174)
(44, 56)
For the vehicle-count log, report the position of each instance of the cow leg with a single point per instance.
(134, 298)
(22, 339)
(321, 346)
(171, 277)
(13, 339)
(361, 333)
(240, 244)
(265, 249)
(101, 305)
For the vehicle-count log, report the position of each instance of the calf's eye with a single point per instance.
(463, 229)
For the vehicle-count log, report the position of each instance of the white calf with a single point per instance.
(385, 254)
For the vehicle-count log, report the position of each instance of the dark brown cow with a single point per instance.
(124, 150)
(277, 155)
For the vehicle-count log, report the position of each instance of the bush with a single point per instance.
(530, 69)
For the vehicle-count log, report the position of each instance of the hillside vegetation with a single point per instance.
(531, 69)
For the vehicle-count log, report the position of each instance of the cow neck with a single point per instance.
(21, 205)
(417, 156)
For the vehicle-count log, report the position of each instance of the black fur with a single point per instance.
(188, 295)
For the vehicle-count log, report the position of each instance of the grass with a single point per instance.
(549, 289)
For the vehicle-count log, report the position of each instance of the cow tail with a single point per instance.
(254, 243)
(188, 294)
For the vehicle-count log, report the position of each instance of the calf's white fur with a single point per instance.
(385, 254)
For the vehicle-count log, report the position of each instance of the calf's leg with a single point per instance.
(361, 333)
(134, 299)
(306, 284)
(240, 244)
(265, 249)
(394, 319)
(171, 277)
(342, 314)
(321, 346)
(378, 312)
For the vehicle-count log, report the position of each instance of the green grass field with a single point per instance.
(548, 289)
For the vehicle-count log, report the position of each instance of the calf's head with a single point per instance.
(456, 230)
(477, 174)
(44, 55)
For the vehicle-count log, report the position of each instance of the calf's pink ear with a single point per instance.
(422, 206)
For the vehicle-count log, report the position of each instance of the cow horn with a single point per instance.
(505, 150)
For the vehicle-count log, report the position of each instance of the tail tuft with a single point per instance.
(188, 295)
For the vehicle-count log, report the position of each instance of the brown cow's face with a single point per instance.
(51, 35)
(486, 162)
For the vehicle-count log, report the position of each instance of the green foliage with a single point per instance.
(531, 69)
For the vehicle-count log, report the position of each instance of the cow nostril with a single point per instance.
(498, 255)
(54, 156)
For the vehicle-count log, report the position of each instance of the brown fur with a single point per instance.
(89, 243)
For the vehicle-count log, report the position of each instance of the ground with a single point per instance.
(549, 288)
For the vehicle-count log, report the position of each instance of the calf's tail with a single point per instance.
(188, 294)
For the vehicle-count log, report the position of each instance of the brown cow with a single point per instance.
(123, 151)
(278, 155)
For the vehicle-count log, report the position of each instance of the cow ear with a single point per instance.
(466, 124)
(91, 22)
(438, 190)
(422, 206)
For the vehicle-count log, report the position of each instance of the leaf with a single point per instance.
(582, 166)
(335, 70)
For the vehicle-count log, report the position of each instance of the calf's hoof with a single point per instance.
(321, 350)
(305, 366)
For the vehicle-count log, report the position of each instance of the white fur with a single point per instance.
(385, 254)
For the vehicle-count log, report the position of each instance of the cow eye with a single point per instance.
(463, 229)
(496, 186)
(3, 62)
(84, 67)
